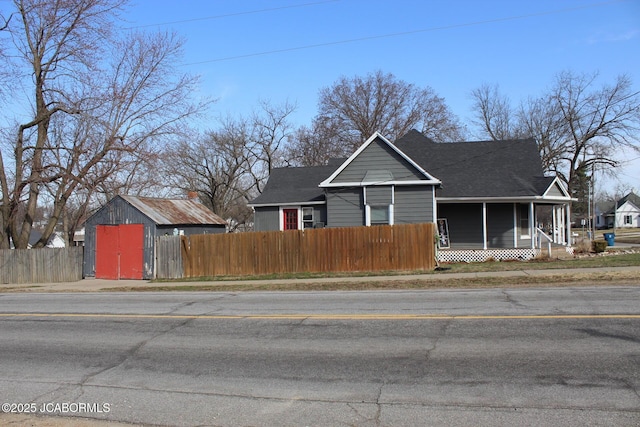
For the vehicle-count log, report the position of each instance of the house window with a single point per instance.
(523, 221)
(290, 219)
(379, 215)
(378, 205)
(628, 220)
(307, 217)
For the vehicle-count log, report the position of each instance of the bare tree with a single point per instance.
(315, 146)
(99, 103)
(578, 126)
(215, 167)
(595, 122)
(270, 132)
(494, 114)
(354, 108)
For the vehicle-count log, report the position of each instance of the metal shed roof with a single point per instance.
(174, 211)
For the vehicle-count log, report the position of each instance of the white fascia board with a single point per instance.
(378, 183)
(328, 182)
(502, 199)
(266, 205)
(560, 184)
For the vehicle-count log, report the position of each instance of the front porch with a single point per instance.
(478, 232)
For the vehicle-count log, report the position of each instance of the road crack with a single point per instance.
(127, 355)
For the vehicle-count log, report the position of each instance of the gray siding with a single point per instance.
(345, 207)
(465, 224)
(189, 230)
(500, 225)
(379, 195)
(319, 215)
(413, 204)
(379, 156)
(266, 219)
(555, 192)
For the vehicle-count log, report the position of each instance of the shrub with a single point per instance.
(599, 246)
(582, 246)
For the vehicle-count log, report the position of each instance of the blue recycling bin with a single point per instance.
(610, 238)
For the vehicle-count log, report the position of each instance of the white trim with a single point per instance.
(515, 225)
(568, 224)
(328, 182)
(281, 216)
(367, 207)
(435, 205)
(560, 184)
(532, 225)
(485, 231)
(374, 183)
(502, 199)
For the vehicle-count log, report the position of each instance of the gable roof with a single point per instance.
(294, 186)
(373, 176)
(174, 211)
(631, 198)
(464, 170)
(485, 169)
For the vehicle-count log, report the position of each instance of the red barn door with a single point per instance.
(119, 251)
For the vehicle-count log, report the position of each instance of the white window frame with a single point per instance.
(300, 216)
(281, 216)
(367, 207)
(303, 221)
(367, 210)
(520, 218)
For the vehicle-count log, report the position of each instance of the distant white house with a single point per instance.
(624, 213)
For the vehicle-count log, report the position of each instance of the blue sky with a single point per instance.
(280, 50)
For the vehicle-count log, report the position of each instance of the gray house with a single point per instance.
(120, 237)
(484, 196)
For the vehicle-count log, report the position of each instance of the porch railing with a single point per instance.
(542, 237)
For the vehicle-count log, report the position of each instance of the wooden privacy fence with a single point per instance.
(397, 247)
(45, 265)
(168, 257)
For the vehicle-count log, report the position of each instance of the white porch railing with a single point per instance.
(540, 236)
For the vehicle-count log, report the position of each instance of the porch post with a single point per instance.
(515, 225)
(568, 240)
(532, 226)
(554, 225)
(563, 223)
(484, 226)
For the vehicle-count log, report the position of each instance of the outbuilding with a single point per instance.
(120, 237)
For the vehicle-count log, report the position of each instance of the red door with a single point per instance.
(119, 251)
(290, 217)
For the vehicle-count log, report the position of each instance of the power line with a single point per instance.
(404, 33)
(228, 15)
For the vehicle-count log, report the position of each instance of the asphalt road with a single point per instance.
(553, 356)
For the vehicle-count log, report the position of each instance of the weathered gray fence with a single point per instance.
(46, 265)
(168, 258)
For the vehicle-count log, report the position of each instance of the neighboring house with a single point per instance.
(624, 213)
(120, 237)
(482, 195)
(55, 240)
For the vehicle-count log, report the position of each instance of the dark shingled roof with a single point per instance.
(486, 169)
(295, 185)
(479, 169)
(631, 197)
